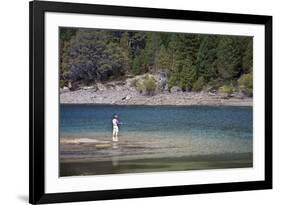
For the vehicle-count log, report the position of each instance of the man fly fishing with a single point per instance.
(115, 127)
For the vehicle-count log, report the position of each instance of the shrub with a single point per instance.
(136, 67)
(199, 84)
(145, 86)
(214, 84)
(139, 86)
(245, 83)
(173, 79)
(149, 85)
(62, 83)
(226, 89)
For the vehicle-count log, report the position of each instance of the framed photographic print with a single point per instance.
(140, 102)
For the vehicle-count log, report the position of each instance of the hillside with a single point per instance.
(137, 67)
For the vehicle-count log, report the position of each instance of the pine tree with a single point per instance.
(65, 35)
(64, 63)
(188, 46)
(172, 52)
(247, 61)
(163, 59)
(191, 61)
(136, 66)
(206, 62)
(188, 75)
(126, 50)
(229, 58)
(151, 49)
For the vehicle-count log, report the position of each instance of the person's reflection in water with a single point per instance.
(115, 155)
(115, 146)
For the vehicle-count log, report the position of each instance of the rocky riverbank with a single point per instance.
(124, 93)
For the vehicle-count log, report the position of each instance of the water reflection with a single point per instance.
(115, 155)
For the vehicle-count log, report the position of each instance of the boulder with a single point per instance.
(73, 86)
(175, 89)
(161, 79)
(238, 95)
(64, 89)
(212, 92)
(94, 88)
(162, 84)
(128, 97)
(101, 87)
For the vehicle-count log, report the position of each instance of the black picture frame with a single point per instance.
(37, 9)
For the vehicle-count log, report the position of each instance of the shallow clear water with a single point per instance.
(177, 130)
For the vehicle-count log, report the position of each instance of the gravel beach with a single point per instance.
(123, 94)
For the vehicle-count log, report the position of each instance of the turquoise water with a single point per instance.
(188, 130)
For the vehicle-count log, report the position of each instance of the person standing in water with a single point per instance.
(115, 126)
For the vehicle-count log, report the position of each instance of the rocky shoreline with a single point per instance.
(129, 98)
(118, 93)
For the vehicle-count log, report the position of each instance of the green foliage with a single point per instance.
(187, 75)
(92, 58)
(149, 85)
(247, 60)
(191, 61)
(137, 66)
(226, 89)
(174, 80)
(124, 41)
(206, 61)
(151, 49)
(182, 51)
(229, 58)
(137, 41)
(246, 80)
(245, 83)
(146, 86)
(199, 84)
(62, 83)
(64, 66)
(163, 60)
(214, 84)
(66, 34)
(188, 46)
(126, 50)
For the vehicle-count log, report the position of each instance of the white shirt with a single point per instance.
(115, 122)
